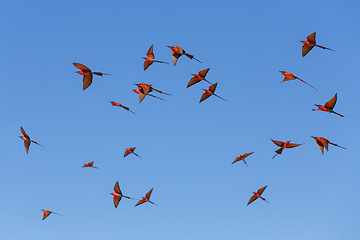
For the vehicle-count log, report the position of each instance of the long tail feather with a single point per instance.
(336, 145)
(307, 83)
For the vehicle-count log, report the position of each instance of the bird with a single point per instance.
(142, 96)
(178, 51)
(27, 140)
(283, 145)
(117, 194)
(310, 43)
(146, 199)
(150, 58)
(258, 195)
(144, 90)
(323, 142)
(290, 76)
(90, 164)
(130, 150)
(209, 92)
(119, 105)
(242, 158)
(328, 107)
(47, 213)
(198, 77)
(88, 74)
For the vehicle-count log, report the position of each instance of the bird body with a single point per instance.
(324, 143)
(209, 92)
(310, 43)
(291, 76)
(328, 107)
(258, 195)
(87, 73)
(283, 145)
(178, 52)
(150, 59)
(90, 164)
(198, 77)
(119, 105)
(146, 199)
(47, 213)
(117, 194)
(27, 140)
(242, 158)
(130, 150)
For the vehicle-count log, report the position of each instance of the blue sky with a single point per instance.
(187, 148)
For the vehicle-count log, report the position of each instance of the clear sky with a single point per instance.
(186, 147)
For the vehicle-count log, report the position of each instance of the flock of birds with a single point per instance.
(144, 89)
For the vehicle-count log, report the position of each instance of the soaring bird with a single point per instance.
(90, 164)
(310, 43)
(178, 51)
(47, 213)
(328, 107)
(150, 58)
(27, 140)
(242, 158)
(283, 145)
(88, 74)
(290, 76)
(142, 96)
(119, 105)
(258, 195)
(145, 89)
(323, 142)
(130, 150)
(117, 194)
(209, 92)
(198, 77)
(146, 199)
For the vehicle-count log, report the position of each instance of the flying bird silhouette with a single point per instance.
(242, 158)
(90, 164)
(142, 96)
(209, 92)
(117, 194)
(198, 77)
(145, 89)
(27, 140)
(328, 107)
(178, 51)
(47, 213)
(130, 150)
(150, 58)
(88, 74)
(258, 195)
(290, 76)
(119, 105)
(310, 43)
(283, 145)
(323, 142)
(146, 199)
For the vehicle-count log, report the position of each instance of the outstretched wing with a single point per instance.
(204, 96)
(87, 80)
(253, 198)
(81, 66)
(148, 194)
(278, 143)
(203, 73)
(306, 49)
(213, 87)
(140, 202)
(193, 81)
(24, 133)
(147, 64)
(311, 37)
(331, 103)
(117, 188)
(150, 53)
(116, 201)
(261, 190)
(292, 145)
(247, 154)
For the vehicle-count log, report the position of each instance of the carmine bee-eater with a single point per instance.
(27, 140)
(323, 142)
(47, 213)
(150, 58)
(88, 74)
(146, 199)
(283, 145)
(258, 195)
(328, 107)
(242, 158)
(117, 194)
(290, 76)
(178, 51)
(310, 43)
(142, 96)
(209, 92)
(198, 77)
(90, 164)
(119, 105)
(130, 150)
(145, 89)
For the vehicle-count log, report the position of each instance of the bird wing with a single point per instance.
(46, 214)
(292, 145)
(140, 202)
(325, 143)
(24, 133)
(261, 190)
(204, 96)
(148, 194)
(321, 146)
(331, 103)
(193, 81)
(116, 201)
(132, 149)
(289, 77)
(150, 53)
(27, 145)
(203, 73)
(81, 66)
(126, 153)
(117, 188)
(147, 64)
(175, 57)
(213, 87)
(145, 88)
(253, 198)
(141, 96)
(278, 143)
(311, 37)
(236, 160)
(306, 49)
(87, 80)
(91, 164)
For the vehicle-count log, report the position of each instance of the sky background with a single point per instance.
(187, 148)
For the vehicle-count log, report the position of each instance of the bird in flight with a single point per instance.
(198, 77)
(119, 105)
(146, 199)
(117, 194)
(145, 89)
(88, 74)
(290, 76)
(283, 145)
(323, 142)
(150, 58)
(142, 96)
(310, 43)
(242, 158)
(47, 213)
(27, 140)
(90, 164)
(258, 195)
(130, 150)
(328, 107)
(178, 51)
(209, 92)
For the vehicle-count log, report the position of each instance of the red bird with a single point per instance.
(198, 77)
(27, 140)
(119, 105)
(310, 43)
(47, 213)
(90, 164)
(323, 142)
(209, 92)
(142, 96)
(258, 195)
(130, 150)
(144, 90)
(290, 76)
(150, 58)
(242, 158)
(87, 73)
(328, 107)
(178, 51)
(283, 145)
(117, 194)
(146, 199)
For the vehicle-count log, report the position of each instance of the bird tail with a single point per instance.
(336, 145)
(324, 47)
(338, 114)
